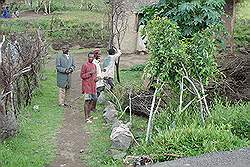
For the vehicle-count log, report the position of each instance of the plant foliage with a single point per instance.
(190, 15)
(173, 57)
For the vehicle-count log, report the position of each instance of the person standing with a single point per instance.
(97, 62)
(89, 78)
(6, 13)
(100, 82)
(65, 66)
(109, 66)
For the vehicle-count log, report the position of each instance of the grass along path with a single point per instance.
(34, 146)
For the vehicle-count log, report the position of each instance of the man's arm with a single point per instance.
(59, 67)
(117, 55)
(73, 66)
(84, 73)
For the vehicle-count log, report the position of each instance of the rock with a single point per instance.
(110, 114)
(117, 154)
(116, 124)
(143, 160)
(137, 160)
(110, 105)
(101, 99)
(121, 137)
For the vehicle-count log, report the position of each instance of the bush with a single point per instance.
(179, 135)
(242, 33)
(59, 30)
(190, 141)
(137, 67)
(236, 118)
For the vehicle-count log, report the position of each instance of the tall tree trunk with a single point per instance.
(229, 21)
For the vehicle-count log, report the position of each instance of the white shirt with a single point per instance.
(67, 56)
(110, 69)
(100, 82)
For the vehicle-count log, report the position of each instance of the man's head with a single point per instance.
(97, 53)
(13, 38)
(91, 57)
(65, 49)
(111, 51)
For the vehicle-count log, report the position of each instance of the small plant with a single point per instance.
(236, 118)
(189, 141)
(242, 33)
(138, 67)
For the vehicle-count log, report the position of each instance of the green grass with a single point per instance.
(34, 146)
(243, 10)
(131, 79)
(242, 26)
(99, 141)
(81, 16)
(99, 144)
(227, 129)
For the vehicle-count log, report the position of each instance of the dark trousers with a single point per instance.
(110, 82)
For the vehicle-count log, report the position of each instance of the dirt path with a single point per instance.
(72, 137)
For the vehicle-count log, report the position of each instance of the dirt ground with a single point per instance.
(72, 138)
(31, 15)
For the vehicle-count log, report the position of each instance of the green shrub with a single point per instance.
(170, 118)
(59, 30)
(137, 67)
(242, 33)
(180, 135)
(236, 118)
(189, 141)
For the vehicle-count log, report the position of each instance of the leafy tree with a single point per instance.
(185, 64)
(190, 15)
(172, 57)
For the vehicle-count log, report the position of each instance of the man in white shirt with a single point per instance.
(109, 66)
(100, 82)
(99, 75)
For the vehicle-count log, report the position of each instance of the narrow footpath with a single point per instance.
(72, 137)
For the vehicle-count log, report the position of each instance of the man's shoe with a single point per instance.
(88, 121)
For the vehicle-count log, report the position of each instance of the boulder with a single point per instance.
(110, 114)
(121, 137)
(117, 154)
(101, 99)
(116, 124)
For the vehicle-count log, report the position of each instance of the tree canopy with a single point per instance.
(190, 15)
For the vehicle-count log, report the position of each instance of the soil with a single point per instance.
(236, 69)
(72, 138)
(31, 15)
